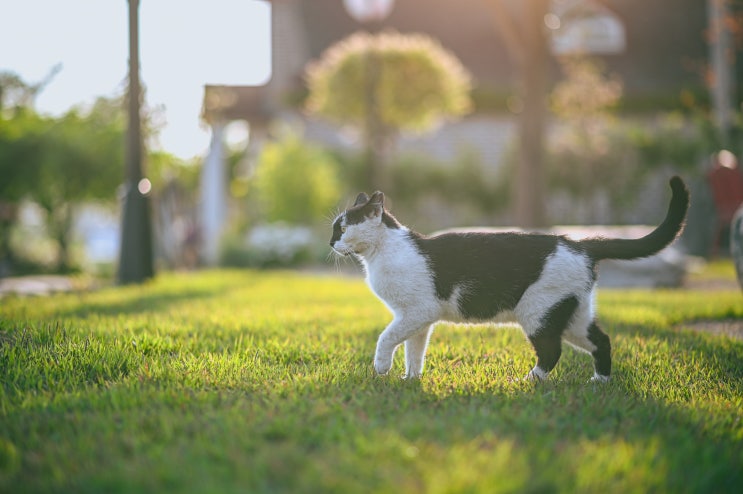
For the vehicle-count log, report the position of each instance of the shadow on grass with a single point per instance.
(565, 436)
(138, 302)
(695, 356)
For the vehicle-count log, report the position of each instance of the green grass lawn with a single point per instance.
(244, 381)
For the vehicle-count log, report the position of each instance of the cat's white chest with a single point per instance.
(399, 275)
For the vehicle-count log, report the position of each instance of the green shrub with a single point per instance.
(431, 193)
(296, 182)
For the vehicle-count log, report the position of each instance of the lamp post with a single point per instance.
(371, 13)
(135, 257)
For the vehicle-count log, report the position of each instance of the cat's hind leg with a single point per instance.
(547, 339)
(591, 339)
(584, 334)
(601, 354)
(415, 352)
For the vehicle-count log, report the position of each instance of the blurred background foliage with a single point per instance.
(59, 165)
(600, 163)
(295, 182)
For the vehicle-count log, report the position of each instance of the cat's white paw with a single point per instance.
(598, 378)
(382, 367)
(536, 375)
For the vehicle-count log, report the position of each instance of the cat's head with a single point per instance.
(358, 229)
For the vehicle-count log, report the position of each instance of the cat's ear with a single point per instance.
(361, 199)
(376, 205)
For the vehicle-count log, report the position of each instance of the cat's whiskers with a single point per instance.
(332, 215)
(333, 257)
(336, 258)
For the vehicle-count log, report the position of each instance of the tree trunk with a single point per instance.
(530, 179)
(373, 126)
(63, 255)
(8, 217)
(722, 66)
(59, 226)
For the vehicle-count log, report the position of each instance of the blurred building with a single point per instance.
(663, 54)
(665, 50)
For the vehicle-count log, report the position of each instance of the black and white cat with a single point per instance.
(546, 283)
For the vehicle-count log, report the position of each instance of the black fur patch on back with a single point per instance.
(493, 270)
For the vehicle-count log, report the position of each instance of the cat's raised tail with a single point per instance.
(653, 242)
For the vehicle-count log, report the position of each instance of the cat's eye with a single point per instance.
(343, 229)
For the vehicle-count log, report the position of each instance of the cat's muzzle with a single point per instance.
(341, 252)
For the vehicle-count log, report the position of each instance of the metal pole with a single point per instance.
(135, 259)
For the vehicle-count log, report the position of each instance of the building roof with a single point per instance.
(226, 103)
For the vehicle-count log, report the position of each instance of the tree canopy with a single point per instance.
(418, 84)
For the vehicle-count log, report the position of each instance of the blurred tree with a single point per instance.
(18, 148)
(18, 123)
(583, 158)
(386, 83)
(77, 157)
(18, 138)
(16, 94)
(164, 168)
(56, 162)
(586, 93)
(296, 182)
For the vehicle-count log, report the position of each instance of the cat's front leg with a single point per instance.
(387, 344)
(415, 352)
(399, 330)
